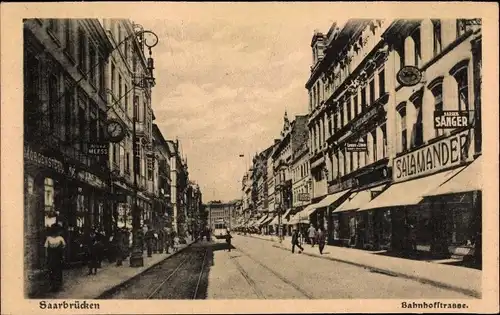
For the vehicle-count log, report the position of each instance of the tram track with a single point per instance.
(277, 275)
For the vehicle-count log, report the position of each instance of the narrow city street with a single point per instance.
(254, 269)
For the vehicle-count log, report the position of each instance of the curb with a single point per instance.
(120, 285)
(435, 283)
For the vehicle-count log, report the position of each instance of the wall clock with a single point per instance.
(115, 130)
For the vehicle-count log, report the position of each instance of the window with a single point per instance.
(102, 80)
(418, 130)
(402, 118)
(136, 106)
(68, 34)
(367, 152)
(68, 108)
(92, 60)
(372, 90)
(436, 26)
(374, 145)
(356, 104)
(384, 140)
(416, 40)
(125, 51)
(363, 98)
(82, 55)
(126, 99)
(463, 88)
(120, 91)
(437, 92)
(53, 26)
(351, 161)
(463, 27)
(113, 78)
(82, 123)
(53, 95)
(349, 110)
(330, 125)
(381, 81)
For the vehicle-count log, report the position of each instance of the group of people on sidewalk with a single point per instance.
(97, 248)
(314, 235)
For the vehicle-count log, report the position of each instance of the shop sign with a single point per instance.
(451, 119)
(90, 179)
(42, 160)
(304, 197)
(98, 148)
(440, 155)
(409, 76)
(356, 147)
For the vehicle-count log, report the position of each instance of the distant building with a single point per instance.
(221, 211)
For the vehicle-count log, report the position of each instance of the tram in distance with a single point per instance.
(220, 230)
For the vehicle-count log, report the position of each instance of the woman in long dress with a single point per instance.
(54, 250)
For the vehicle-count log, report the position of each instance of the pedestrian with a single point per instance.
(149, 241)
(92, 251)
(167, 241)
(321, 240)
(118, 240)
(311, 232)
(54, 251)
(295, 241)
(228, 240)
(176, 243)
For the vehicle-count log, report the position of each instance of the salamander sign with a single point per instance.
(440, 155)
(451, 119)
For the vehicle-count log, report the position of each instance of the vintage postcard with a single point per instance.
(262, 157)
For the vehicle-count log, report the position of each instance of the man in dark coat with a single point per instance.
(149, 241)
(295, 241)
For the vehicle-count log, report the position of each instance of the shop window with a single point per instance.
(437, 91)
(461, 77)
(402, 127)
(50, 213)
(436, 27)
(461, 232)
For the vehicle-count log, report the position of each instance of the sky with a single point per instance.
(225, 74)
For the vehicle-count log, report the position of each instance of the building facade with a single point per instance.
(64, 110)
(221, 212)
(391, 171)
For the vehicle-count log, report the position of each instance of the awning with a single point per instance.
(286, 213)
(468, 179)
(266, 221)
(259, 221)
(275, 221)
(358, 199)
(328, 200)
(408, 193)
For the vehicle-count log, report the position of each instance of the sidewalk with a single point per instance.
(78, 285)
(464, 280)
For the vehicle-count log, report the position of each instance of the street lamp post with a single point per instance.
(136, 258)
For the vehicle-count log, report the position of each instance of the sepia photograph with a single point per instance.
(212, 153)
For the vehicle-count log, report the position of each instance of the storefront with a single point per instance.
(418, 221)
(456, 213)
(60, 191)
